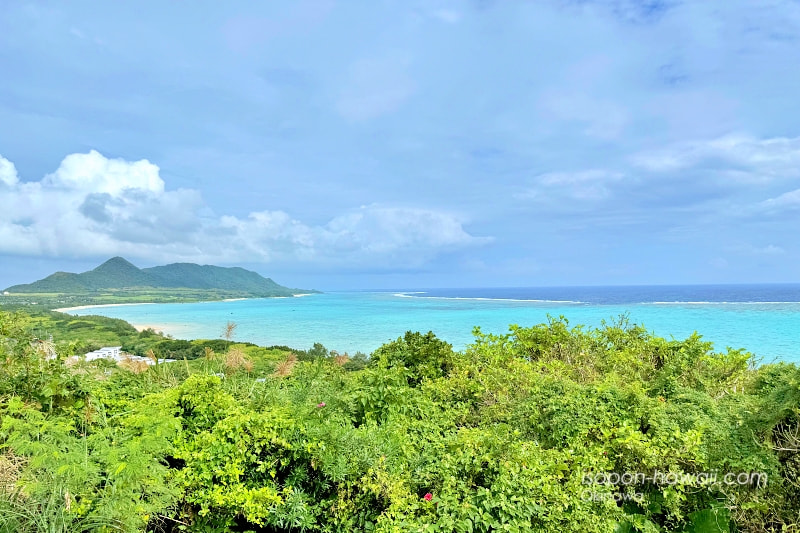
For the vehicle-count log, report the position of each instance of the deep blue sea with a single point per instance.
(763, 319)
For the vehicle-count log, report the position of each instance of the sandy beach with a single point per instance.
(68, 309)
(78, 307)
(154, 327)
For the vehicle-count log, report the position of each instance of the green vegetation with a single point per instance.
(519, 432)
(46, 301)
(118, 281)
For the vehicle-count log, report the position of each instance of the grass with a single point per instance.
(115, 296)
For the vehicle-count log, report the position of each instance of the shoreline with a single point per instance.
(158, 328)
(79, 307)
(92, 306)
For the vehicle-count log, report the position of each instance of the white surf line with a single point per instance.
(483, 299)
(79, 307)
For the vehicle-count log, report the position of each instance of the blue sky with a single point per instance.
(346, 144)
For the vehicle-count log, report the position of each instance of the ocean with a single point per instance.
(763, 319)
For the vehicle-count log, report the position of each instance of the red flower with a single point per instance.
(428, 496)
(321, 404)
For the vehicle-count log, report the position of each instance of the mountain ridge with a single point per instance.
(120, 274)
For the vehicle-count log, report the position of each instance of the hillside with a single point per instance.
(194, 276)
(119, 274)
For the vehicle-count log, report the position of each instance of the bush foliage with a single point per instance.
(519, 432)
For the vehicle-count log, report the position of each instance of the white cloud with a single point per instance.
(392, 229)
(719, 177)
(8, 172)
(786, 201)
(750, 159)
(268, 236)
(94, 173)
(749, 249)
(94, 206)
(586, 185)
(364, 235)
(770, 249)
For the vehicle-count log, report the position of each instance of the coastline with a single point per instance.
(92, 306)
(360, 321)
(155, 327)
(79, 307)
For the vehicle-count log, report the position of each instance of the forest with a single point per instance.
(548, 428)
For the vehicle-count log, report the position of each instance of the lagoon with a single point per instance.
(763, 319)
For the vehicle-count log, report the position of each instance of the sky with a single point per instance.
(404, 143)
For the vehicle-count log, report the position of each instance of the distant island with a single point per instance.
(119, 281)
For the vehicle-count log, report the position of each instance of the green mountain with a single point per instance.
(195, 276)
(118, 273)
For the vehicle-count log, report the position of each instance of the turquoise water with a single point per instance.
(362, 321)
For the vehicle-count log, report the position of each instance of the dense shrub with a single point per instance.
(519, 432)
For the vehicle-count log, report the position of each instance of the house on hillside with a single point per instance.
(108, 352)
(114, 353)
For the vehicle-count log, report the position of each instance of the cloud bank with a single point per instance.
(96, 206)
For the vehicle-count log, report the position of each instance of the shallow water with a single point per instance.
(764, 320)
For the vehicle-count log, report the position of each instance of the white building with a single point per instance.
(108, 352)
(114, 354)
